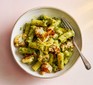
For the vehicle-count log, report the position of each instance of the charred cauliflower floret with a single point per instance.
(46, 68)
(67, 45)
(54, 49)
(50, 31)
(18, 41)
(70, 44)
(28, 59)
(40, 33)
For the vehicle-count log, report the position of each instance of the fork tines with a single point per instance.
(66, 24)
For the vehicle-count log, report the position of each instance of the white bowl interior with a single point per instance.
(53, 12)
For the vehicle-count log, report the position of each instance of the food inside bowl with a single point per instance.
(45, 44)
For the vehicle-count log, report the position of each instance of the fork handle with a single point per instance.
(85, 61)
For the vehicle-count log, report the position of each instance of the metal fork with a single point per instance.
(66, 24)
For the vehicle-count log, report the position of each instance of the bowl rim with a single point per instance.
(37, 8)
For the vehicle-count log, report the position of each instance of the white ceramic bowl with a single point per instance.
(53, 12)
